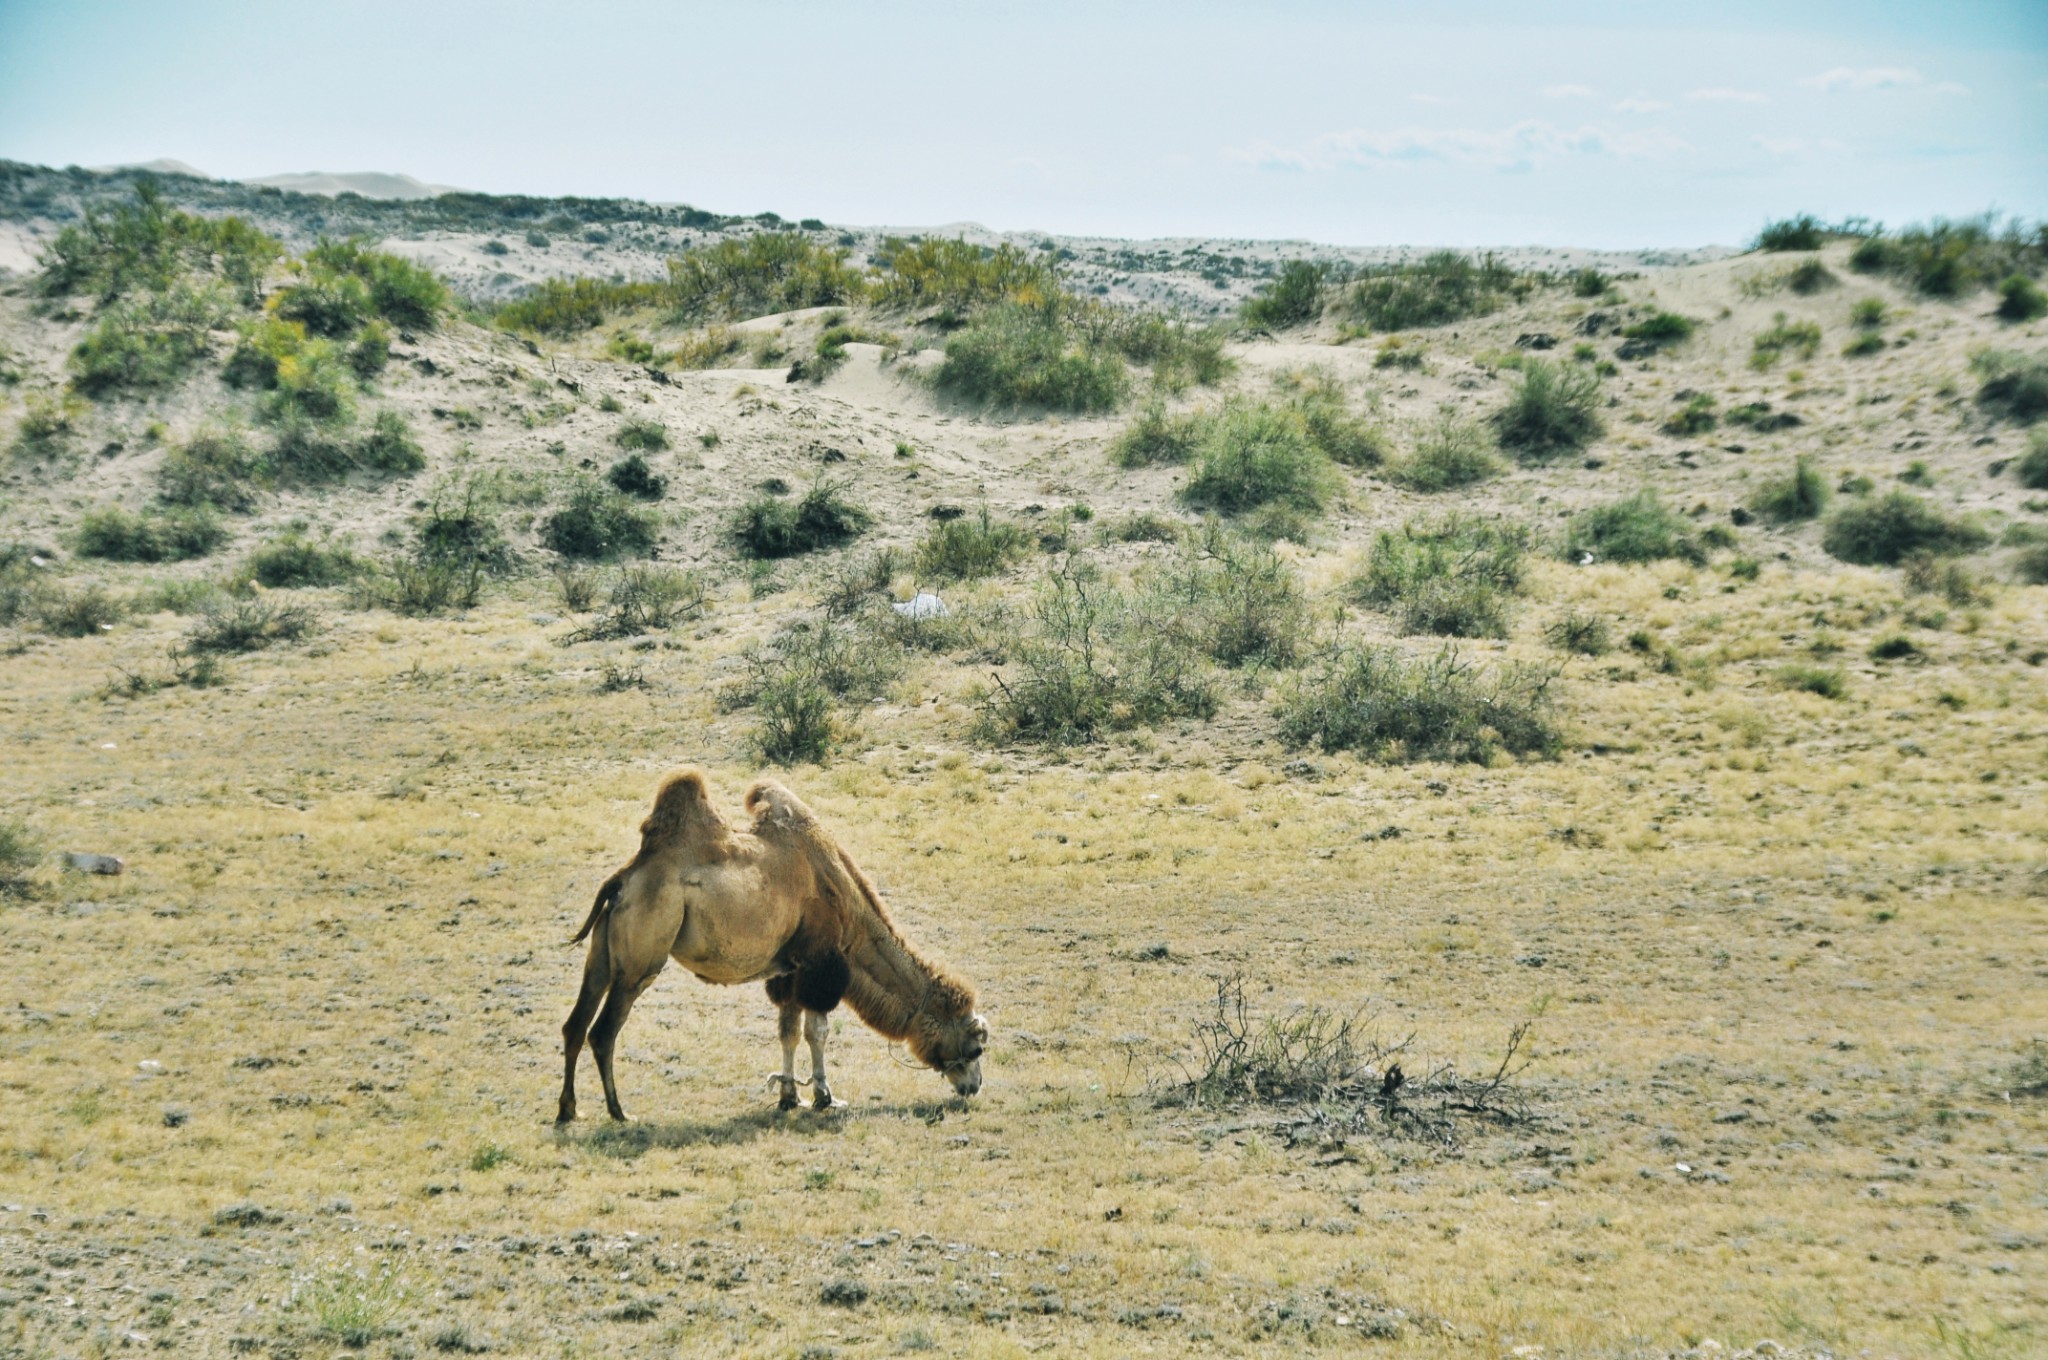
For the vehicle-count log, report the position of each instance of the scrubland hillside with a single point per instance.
(1608, 691)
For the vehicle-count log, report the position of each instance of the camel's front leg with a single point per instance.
(790, 1026)
(816, 1028)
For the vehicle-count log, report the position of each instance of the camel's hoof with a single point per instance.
(787, 1102)
(827, 1102)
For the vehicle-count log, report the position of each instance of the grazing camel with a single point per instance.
(780, 902)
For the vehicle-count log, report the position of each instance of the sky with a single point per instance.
(1603, 123)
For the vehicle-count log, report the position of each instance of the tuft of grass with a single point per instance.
(1391, 707)
(349, 1308)
(1810, 277)
(1895, 647)
(1590, 283)
(1694, 418)
(178, 535)
(1451, 578)
(1450, 451)
(1758, 416)
(1868, 313)
(822, 518)
(250, 625)
(1884, 531)
(1803, 232)
(597, 523)
(971, 547)
(1586, 634)
(2015, 385)
(1864, 344)
(1443, 287)
(1799, 337)
(1639, 528)
(1157, 436)
(1015, 355)
(293, 560)
(2021, 299)
(1294, 298)
(632, 476)
(2031, 467)
(1660, 330)
(1255, 456)
(1826, 681)
(1553, 413)
(650, 436)
(1800, 494)
(20, 851)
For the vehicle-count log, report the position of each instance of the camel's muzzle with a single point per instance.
(966, 1080)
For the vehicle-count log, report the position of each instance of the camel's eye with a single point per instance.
(973, 1054)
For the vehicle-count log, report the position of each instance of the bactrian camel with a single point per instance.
(778, 902)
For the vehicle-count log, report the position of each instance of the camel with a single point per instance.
(778, 902)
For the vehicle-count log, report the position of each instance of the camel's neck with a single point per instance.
(888, 982)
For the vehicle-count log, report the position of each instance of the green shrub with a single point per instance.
(155, 536)
(1801, 494)
(2032, 564)
(1396, 352)
(1294, 298)
(971, 547)
(1354, 441)
(1661, 330)
(314, 384)
(1554, 412)
(1180, 352)
(146, 343)
(2021, 299)
(1803, 232)
(597, 523)
(1801, 337)
(2032, 466)
(1389, 707)
(1449, 452)
(650, 435)
(823, 518)
(1452, 577)
(950, 273)
(371, 352)
(328, 305)
(795, 726)
(2016, 384)
(1895, 647)
(1953, 259)
(216, 468)
(565, 307)
(1883, 532)
(1444, 287)
(407, 295)
(1014, 355)
(1826, 681)
(1640, 528)
(1695, 417)
(1865, 344)
(1758, 416)
(85, 612)
(146, 246)
(736, 278)
(1586, 634)
(20, 852)
(250, 625)
(1589, 283)
(1254, 456)
(632, 476)
(1868, 313)
(1810, 277)
(1228, 598)
(1158, 437)
(292, 560)
(48, 428)
(641, 598)
(389, 446)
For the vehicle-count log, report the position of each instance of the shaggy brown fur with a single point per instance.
(780, 901)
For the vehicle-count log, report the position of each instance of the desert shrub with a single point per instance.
(596, 523)
(313, 383)
(1589, 283)
(971, 547)
(24, 587)
(632, 476)
(250, 625)
(1013, 355)
(2031, 467)
(643, 598)
(1143, 526)
(1450, 451)
(1396, 352)
(1353, 440)
(1801, 494)
(2014, 384)
(153, 536)
(795, 720)
(1810, 277)
(850, 661)
(48, 428)
(388, 446)
(1640, 528)
(736, 278)
(830, 351)
(1895, 647)
(1864, 344)
(1800, 337)
(1444, 287)
(2031, 564)
(708, 348)
(1231, 599)
(1586, 634)
(1387, 706)
(1868, 313)
(1803, 232)
(951, 273)
(20, 852)
(1157, 436)
(1293, 298)
(858, 579)
(1092, 661)
(2021, 299)
(1884, 531)
(293, 560)
(1660, 330)
(1953, 259)
(217, 468)
(146, 343)
(650, 435)
(84, 612)
(822, 518)
(1451, 577)
(565, 307)
(326, 304)
(1695, 417)
(1758, 416)
(1927, 573)
(1826, 681)
(407, 295)
(1254, 456)
(1554, 412)
(145, 246)
(371, 352)
(1180, 352)
(457, 543)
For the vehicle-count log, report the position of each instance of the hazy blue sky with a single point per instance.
(1602, 124)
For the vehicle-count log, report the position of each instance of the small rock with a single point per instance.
(245, 1215)
(94, 864)
(175, 1118)
(923, 605)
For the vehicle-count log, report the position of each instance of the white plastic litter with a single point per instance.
(923, 605)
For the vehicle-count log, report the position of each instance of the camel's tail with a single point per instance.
(607, 898)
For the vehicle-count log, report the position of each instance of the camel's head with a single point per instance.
(953, 1048)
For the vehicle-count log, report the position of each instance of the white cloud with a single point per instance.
(1636, 103)
(1865, 78)
(1568, 92)
(1721, 94)
(1520, 147)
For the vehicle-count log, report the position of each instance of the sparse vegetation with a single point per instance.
(650, 436)
(293, 560)
(1799, 337)
(2015, 385)
(1391, 707)
(1659, 331)
(1803, 232)
(1952, 259)
(1255, 456)
(250, 625)
(2031, 468)
(1294, 298)
(1554, 412)
(176, 535)
(1885, 530)
(1585, 634)
(1801, 494)
(1640, 528)
(1696, 417)
(1016, 355)
(2021, 299)
(952, 274)
(1442, 288)
(971, 547)
(633, 477)
(822, 518)
(1452, 577)
(597, 523)
(1826, 681)
(1450, 451)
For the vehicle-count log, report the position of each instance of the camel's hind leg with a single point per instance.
(604, 1034)
(817, 1028)
(597, 980)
